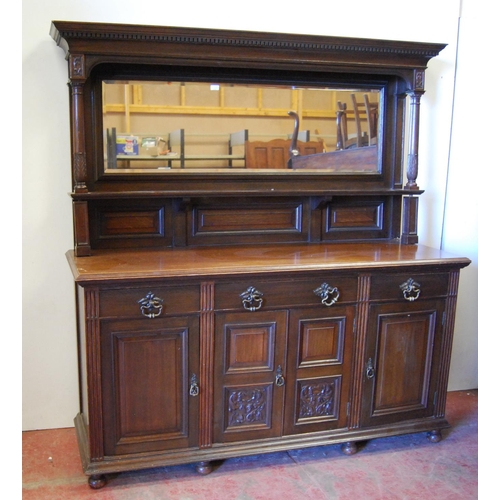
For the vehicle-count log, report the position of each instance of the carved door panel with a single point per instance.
(401, 361)
(249, 375)
(318, 369)
(147, 375)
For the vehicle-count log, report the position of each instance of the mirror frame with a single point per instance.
(170, 75)
(97, 51)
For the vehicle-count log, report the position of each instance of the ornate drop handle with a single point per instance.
(370, 370)
(280, 379)
(252, 299)
(151, 306)
(410, 289)
(329, 295)
(194, 388)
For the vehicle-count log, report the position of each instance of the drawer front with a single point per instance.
(151, 301)
(266, 294)
(408, 286)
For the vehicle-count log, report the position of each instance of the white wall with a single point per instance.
(460, 224)
(50, 386)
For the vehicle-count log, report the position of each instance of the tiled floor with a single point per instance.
(404, 467)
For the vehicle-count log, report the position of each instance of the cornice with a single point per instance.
(101, 32)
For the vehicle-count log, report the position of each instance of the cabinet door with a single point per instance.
(318, 369)
(249, 375)
(401, 361)
(147, 368)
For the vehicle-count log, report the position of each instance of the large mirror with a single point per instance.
(227, 128)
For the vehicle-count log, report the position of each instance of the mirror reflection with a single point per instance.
(238, 128)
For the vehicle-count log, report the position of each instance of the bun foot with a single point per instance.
(97, 481)
(204, 468)
(349, 448)
(434, 436)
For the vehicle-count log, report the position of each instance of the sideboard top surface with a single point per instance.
(226, 261)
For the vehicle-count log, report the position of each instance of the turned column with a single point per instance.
(409, 234)
(412, 169)
(78, 156)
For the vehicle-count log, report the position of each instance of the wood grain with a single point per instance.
(178, 263)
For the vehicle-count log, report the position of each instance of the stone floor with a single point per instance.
(396, 468)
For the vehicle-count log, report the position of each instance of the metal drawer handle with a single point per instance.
(280, 380)
(370, 370)
(194, 388)
(410, 289)
(252, 299)
(151, 306)
(329, 294)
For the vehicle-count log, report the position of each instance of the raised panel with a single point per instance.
(151, 373)
(249, 348)
(403, 361)
(356, 218)
(130, 223)
(365, 217)
(146, 370)
(321, 342)
(245, 219)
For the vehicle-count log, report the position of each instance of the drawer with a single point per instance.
(286, 293)
(408, 286)
(154, 300)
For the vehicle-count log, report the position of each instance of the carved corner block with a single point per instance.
(76, 67)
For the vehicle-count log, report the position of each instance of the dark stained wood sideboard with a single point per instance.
(236, 312)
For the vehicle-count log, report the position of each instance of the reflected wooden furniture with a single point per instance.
(372, 113)
(357, 121)
(236, 313)
(345, 160)
(276, 153)
(342, 135)
(360, 139)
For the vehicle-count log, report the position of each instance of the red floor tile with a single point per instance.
(396, 468)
